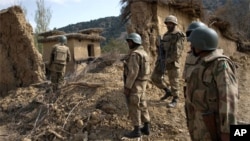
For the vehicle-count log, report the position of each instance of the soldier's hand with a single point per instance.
(126, 91)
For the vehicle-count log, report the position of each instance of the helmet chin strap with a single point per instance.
(194, 53)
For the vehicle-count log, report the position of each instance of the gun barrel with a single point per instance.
(161, 54)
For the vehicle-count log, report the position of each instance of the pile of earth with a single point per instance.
(91, 106)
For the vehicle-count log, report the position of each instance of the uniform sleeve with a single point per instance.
(178, 47)
(133, 70)
(52, 55)
(68, 55)
(227, 85)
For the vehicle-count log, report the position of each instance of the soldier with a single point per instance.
(60, 56)
(212, 89)
(136, 75)
(190, 59)
(172, 46)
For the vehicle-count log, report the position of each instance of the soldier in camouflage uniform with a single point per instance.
(190, 59)
(60, 56)
(172, 44)
(136, 75)
(212, 89)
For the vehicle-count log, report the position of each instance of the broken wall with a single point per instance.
(20, 62)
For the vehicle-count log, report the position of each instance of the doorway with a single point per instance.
(91, 50)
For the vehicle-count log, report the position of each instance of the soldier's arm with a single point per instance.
(133, 70)
(68, 56)
(227, 85)
(52, 55)
(178, 46)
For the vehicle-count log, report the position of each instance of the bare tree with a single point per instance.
(42, 17)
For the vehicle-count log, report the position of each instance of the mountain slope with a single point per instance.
(113, 27)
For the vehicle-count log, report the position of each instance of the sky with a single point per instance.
(65, 12)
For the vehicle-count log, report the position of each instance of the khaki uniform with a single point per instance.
(190, 63)
(173, 47)
(59, 57)
(136, 74)
(212, 93)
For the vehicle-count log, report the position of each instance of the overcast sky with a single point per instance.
(65, 12)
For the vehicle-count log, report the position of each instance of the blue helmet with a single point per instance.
(136, 38)
(193, 26)
(204, 38)
(62, 39)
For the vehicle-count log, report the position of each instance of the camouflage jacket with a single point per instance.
(190, 63)
(137, 67)
(212, 87)
(173, 44)
(60, 55)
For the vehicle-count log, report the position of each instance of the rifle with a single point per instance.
(210, 122)
(125, 75)
(161, 55)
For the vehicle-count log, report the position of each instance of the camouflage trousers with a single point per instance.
(57, 76)
(196, 126)
(160, 79)
(137, 104)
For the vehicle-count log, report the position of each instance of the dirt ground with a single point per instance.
(92, 107)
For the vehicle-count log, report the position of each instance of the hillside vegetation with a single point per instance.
(113, 27)
(223, 9)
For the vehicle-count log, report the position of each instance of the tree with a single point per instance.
(42, 17)
(237, 13)
(115, 45)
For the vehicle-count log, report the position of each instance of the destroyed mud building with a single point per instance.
(21, 63)
(83, 45)
(91, 105)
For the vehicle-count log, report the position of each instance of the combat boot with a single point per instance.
(174, 102)
(145, 129)
(135, 133)
(167, 94)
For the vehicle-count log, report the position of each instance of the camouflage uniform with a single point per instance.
(212, 89)
(137, 70)
(173, 47)
(59, 57)
(190, 63)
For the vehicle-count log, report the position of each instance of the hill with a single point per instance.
(113, 27)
